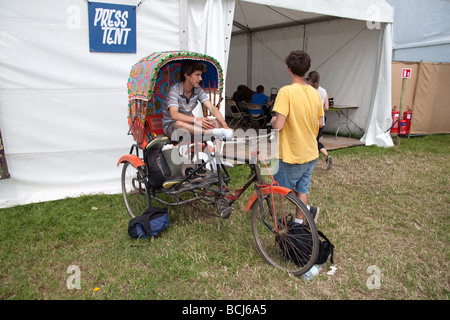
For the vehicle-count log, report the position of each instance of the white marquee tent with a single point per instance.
(63, 108)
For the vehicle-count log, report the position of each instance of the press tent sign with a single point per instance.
(112, 27)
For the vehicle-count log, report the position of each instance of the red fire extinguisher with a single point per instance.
(407, 115)
(402, 128)
(395, 118)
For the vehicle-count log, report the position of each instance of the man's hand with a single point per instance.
(274, 119)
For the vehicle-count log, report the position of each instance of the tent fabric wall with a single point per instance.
(428, 40)
(365, 10)
(268, 67)
(432, 100)
(347, 75)
(63, 109)
(427, 95)
(352, 56)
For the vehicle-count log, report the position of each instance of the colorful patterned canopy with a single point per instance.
(161, 70)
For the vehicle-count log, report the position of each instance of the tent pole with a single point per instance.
(249, 59)
(402, 107)
(305, 39)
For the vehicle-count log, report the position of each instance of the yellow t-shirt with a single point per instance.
(302, 107)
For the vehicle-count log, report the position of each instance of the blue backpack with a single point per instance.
(151, 223)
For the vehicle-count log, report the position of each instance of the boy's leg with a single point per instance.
(286, 176)
(302, 186)
(304, 198)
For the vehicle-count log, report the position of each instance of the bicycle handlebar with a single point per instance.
(250, 138)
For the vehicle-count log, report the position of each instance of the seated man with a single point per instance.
(183, 98)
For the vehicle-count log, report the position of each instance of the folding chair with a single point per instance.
(239, 116)
(243, 106)
(258, 119)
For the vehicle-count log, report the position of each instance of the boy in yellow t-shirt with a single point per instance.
(299, 115)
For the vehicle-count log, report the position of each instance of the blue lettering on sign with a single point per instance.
(112, 28)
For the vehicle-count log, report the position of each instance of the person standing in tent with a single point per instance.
(299, 115)
(314, 79)
(183, 98)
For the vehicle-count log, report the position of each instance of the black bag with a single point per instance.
(158, 170)
(151, 223)
(298, 249)
(326, 249)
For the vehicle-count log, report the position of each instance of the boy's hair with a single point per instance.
(190, 67)
(299, 62)
(259, 89)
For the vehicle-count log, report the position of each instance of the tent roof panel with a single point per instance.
(256, 13)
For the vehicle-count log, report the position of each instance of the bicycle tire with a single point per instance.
(134, 190)
(265, 237)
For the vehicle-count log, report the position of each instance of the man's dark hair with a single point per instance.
(299, 62)
(190, 66)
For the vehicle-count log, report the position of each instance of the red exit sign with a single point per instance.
(406, 72)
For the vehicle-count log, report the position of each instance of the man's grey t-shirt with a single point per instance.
(177, 98)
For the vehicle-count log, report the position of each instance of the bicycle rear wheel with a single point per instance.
(134, 190)
(272, 233)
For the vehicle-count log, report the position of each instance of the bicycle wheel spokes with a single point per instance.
(272, 230)
(296, 244)
(134, 190)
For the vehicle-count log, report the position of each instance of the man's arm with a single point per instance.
(278, 121)
(178, 116)
(199, 122)
(326, 105)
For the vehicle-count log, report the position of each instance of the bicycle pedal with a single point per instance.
(226, 212)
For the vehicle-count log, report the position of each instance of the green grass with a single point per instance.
(384, 207)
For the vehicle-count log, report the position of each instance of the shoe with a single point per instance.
(202, 171)
(170, 183)
(194, 177)
(329, 161)
(314, 212)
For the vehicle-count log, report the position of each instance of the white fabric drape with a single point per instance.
(380, 119)
(209, 24)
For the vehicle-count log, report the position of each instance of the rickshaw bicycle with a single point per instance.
(271, 206)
